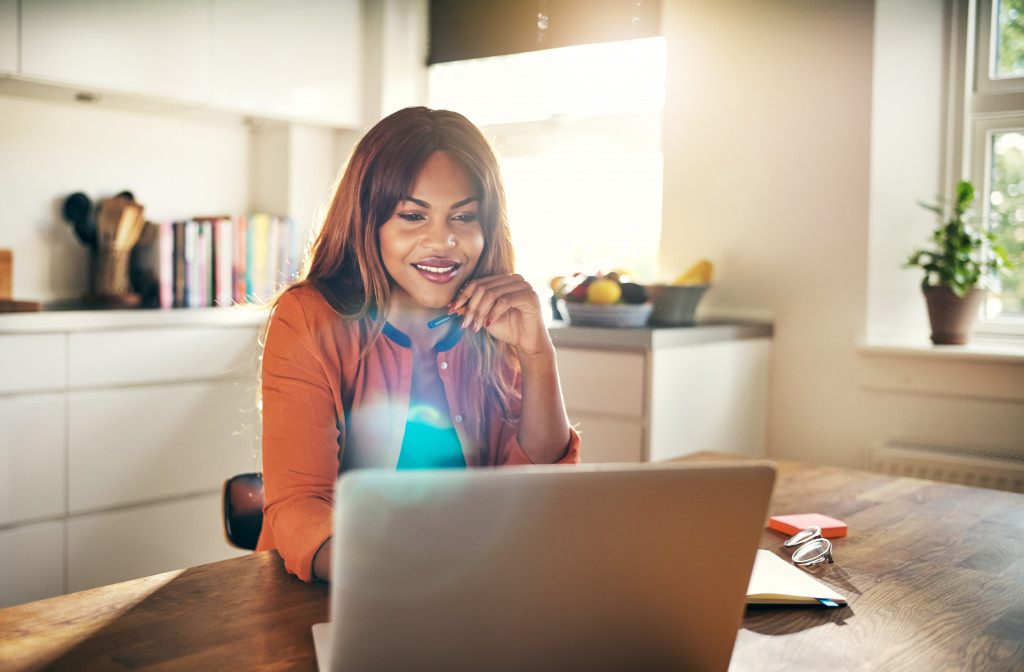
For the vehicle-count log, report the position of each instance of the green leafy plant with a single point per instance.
(964, 254)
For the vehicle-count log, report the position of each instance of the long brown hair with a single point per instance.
(345, 263)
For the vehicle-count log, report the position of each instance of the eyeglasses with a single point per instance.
(814, 548)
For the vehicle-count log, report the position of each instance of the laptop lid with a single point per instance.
(590, 567)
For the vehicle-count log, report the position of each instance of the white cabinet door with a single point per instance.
(710, 397)
(32, 464)
(9, 36)
(604, 394)
(602, 381)
(107, 548)
(609, 440)
(139, 444)
(156, 48)
(31, 563)
(139, 356)
(33, 362)
(298, 60)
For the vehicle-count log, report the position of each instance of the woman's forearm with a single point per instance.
(544, 426)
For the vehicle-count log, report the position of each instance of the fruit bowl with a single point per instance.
(675, 305)
(614, 315)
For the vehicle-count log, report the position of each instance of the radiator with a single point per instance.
(966, 466)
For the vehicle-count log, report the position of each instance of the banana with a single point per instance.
(698, 274)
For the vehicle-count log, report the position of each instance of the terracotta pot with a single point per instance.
(952, 316)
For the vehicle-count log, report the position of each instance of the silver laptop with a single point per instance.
(591, 567)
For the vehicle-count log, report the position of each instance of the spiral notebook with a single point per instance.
(778, 581)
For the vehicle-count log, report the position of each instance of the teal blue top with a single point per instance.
(430, 440)
(428, 444)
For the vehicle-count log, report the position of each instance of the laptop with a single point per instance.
(588, 567)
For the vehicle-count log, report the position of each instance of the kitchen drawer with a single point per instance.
(122, 545)
(710, 397)
(32, 463)
(31, 563)
(139, 356)
(131, 445)
(609, 440)
(33, 362)
(602, 381)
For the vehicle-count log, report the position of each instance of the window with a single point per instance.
(994, 148)
(578, 130)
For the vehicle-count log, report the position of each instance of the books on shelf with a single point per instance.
(220, 261)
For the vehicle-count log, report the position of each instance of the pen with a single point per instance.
(438, 321)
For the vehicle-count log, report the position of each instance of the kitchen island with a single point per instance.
(649, 394)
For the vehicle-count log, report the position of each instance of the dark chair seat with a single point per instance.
(243, 510)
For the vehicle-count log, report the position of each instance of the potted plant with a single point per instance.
(963, 257)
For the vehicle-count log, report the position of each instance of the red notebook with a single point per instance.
(830, 527)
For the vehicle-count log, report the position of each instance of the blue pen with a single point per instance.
(438, 321)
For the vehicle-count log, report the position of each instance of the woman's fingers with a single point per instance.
(488, 299)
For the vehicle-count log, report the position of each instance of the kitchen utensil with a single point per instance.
(78, 212)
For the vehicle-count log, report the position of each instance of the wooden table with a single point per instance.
(934, 574)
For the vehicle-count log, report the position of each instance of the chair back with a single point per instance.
(243, 510)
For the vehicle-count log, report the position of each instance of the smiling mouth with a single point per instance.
(439, 270)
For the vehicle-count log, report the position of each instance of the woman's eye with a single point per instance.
(411, 216)
(465, 217)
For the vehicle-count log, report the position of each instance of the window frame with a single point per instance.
(989, 105)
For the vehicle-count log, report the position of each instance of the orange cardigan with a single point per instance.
(326, 411)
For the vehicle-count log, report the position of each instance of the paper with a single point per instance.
(775, 581)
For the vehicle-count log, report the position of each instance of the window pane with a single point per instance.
(579, 133)
(585, 80)
(1009, 39)
(1006, 202)
(608, 216)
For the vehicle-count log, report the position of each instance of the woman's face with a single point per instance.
(431, 244)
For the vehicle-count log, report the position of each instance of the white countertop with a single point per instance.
(563, 335)
(48, 321)
(644, 338)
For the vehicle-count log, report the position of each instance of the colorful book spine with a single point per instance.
(241, 226)
(165, 263)
(223, 260)
(179, 265)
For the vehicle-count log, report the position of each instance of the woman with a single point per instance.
(358, 372)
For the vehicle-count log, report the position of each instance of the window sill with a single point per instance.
(990, 368)
(981, 348)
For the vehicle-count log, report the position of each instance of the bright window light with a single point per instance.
(579, 133)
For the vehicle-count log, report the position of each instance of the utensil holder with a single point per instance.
(110, 277)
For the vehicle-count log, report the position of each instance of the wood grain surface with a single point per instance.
(934, 574)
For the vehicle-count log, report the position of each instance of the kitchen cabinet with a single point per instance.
(8, 36)
(604, 393)
(299, 60)
(638, 395)
(117, 431)
(104, 548)
(157, 48)
(32, 563)
(33, 464)
(296, 61)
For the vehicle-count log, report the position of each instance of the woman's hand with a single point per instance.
(508, 308)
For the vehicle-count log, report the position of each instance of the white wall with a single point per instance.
(793, 160)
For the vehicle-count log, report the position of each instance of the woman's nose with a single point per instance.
(439, 235)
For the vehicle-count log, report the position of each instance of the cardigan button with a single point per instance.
(458, 418)
(444, 365)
